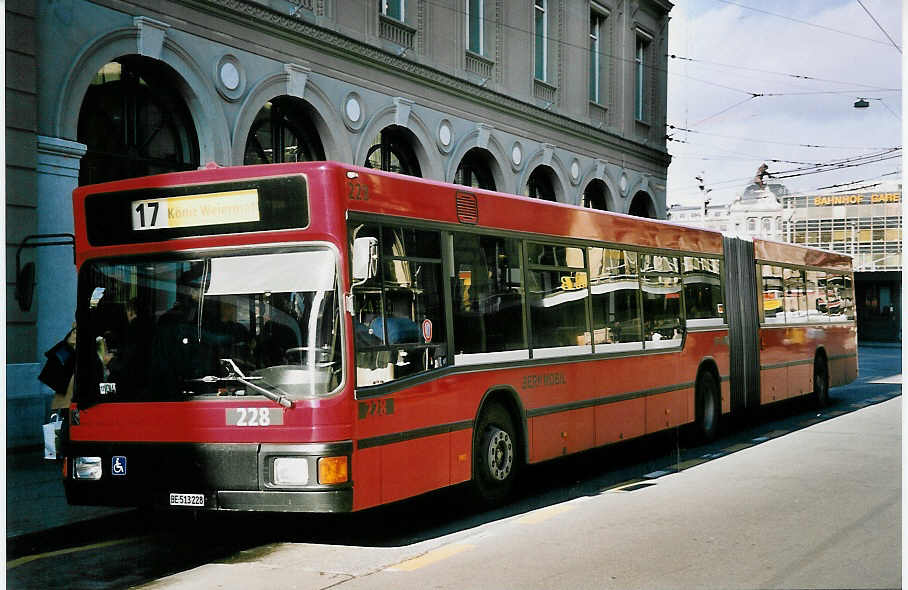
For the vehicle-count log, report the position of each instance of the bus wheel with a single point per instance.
(821, 381)
(709, 408)
(494, 456)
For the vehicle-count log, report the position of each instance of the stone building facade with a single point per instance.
(556, 99)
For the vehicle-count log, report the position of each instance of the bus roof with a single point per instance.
(367, 190)
(784, 253)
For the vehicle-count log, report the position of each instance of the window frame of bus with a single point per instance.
(638, 302)
(446, 232)
(554, 266)
(283, 203)
(682, 302)
(804, 269)
(184, 255)
(383, 224)
(722, 294)
(510, 355)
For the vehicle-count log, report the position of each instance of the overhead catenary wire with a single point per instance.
(848, 184)
(739, 67)
(803, 22)
(797, 173)
(806, 145)
(873, 18)
(786, 174)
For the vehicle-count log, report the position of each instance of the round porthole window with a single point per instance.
(445, 135)
(352, 110)
(229, 77)
(575, 172)
(517, 154)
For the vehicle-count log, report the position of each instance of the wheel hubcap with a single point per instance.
(500, 454)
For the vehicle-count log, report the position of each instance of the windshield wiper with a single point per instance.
(235, 374)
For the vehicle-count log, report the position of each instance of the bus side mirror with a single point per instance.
(365, 259)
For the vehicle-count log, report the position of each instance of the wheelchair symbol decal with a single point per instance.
(118, 465)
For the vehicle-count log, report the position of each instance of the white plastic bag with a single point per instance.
(52, 436)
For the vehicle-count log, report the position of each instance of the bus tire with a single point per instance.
(494, 455)
(709, 407)
(821, 381)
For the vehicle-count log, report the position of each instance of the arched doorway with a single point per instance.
(595, 195)
(392, 151)
(474, 170)
(541, 184)
(134, 122)
(283, 131)
(642, 206)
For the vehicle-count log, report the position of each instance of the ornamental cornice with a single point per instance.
(253, 15)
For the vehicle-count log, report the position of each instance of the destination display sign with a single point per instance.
(196, 210)
(218, 208)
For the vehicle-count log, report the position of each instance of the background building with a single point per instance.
(757, 212)
(557, 99)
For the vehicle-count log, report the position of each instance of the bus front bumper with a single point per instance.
(211, 476)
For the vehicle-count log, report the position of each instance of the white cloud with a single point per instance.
(728, 33)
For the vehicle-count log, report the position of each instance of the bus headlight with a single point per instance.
(87, 468)
(290, 471)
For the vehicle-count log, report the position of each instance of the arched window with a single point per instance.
(594, 196)
(642, 206)
(392, 151)
(135, 123)
(541, 184)
(474, 170)
(283, 131)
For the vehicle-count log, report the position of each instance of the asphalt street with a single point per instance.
(795, 498)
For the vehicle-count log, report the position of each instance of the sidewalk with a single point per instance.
(35, 501)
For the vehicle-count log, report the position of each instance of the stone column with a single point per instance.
(55, 291)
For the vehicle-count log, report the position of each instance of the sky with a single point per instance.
(727, 51)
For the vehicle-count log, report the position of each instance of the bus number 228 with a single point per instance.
(254, 417)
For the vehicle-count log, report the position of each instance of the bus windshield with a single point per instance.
(220, 326)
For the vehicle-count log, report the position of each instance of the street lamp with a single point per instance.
(861, 103)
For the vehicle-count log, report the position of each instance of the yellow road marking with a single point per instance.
(544, 514)
(29, 558)
(430, 557)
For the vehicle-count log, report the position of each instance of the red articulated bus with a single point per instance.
(321, 337)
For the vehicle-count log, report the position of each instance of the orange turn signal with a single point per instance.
(332, 470)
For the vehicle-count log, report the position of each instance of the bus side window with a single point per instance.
(615, 285)
(661, 285)
(703, 291)
(399, 323)
(817, 300)
(795, 298)
(487, 295)
(772, 291)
